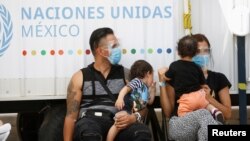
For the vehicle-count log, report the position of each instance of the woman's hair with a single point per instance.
(187, 46)
(201, 38)
(139, 69)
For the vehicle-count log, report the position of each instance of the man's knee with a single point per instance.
(84, 132)
(88, 137)
(91, 137)
(142, 135)
(137, 132)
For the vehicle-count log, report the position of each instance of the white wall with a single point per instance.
(208, 19)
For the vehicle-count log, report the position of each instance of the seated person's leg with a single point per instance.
(113, 131)
(183, 128)
(187, 103)
(204, 119)
(135, 132)
(213, 110)
(92, 129)
(216, 113)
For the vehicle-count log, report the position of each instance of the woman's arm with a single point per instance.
(167, 100)
(225, 105)
(166, 94)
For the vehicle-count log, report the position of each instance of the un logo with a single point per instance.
(5, 29)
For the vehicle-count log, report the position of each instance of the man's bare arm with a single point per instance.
(74, 95)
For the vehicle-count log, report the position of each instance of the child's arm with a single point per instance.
(152, 93)
(119, 104)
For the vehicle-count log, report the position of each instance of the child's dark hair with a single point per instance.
(187, 46)
(139, 69)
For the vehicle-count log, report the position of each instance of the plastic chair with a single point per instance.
(157, 132)
(165, 126)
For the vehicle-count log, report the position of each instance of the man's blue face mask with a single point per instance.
(115, 55)
(201, 60)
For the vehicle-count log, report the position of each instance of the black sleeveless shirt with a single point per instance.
(93, 94)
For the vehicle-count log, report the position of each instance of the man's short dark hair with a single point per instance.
(96, 37)
(187, 46)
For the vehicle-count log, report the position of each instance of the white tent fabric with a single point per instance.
(208, 19)
(237, 15)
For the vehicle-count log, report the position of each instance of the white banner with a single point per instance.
(50, 38)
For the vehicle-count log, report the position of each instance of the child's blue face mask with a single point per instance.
(201, 60)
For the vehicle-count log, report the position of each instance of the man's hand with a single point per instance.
(124, 120)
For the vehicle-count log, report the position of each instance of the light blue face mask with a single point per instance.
(201, 60)
(115, 56)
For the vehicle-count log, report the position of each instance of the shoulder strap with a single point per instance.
(106, 88)
(98, 77)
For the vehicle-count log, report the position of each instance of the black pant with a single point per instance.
(92, 128)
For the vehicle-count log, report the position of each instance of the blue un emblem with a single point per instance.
(5, 29)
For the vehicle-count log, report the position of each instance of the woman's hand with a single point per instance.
(206, 88)
(161, 74)
(207, 91)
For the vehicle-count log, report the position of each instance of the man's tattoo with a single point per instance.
(72, 104)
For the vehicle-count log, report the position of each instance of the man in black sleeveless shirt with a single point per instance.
(90, 107)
